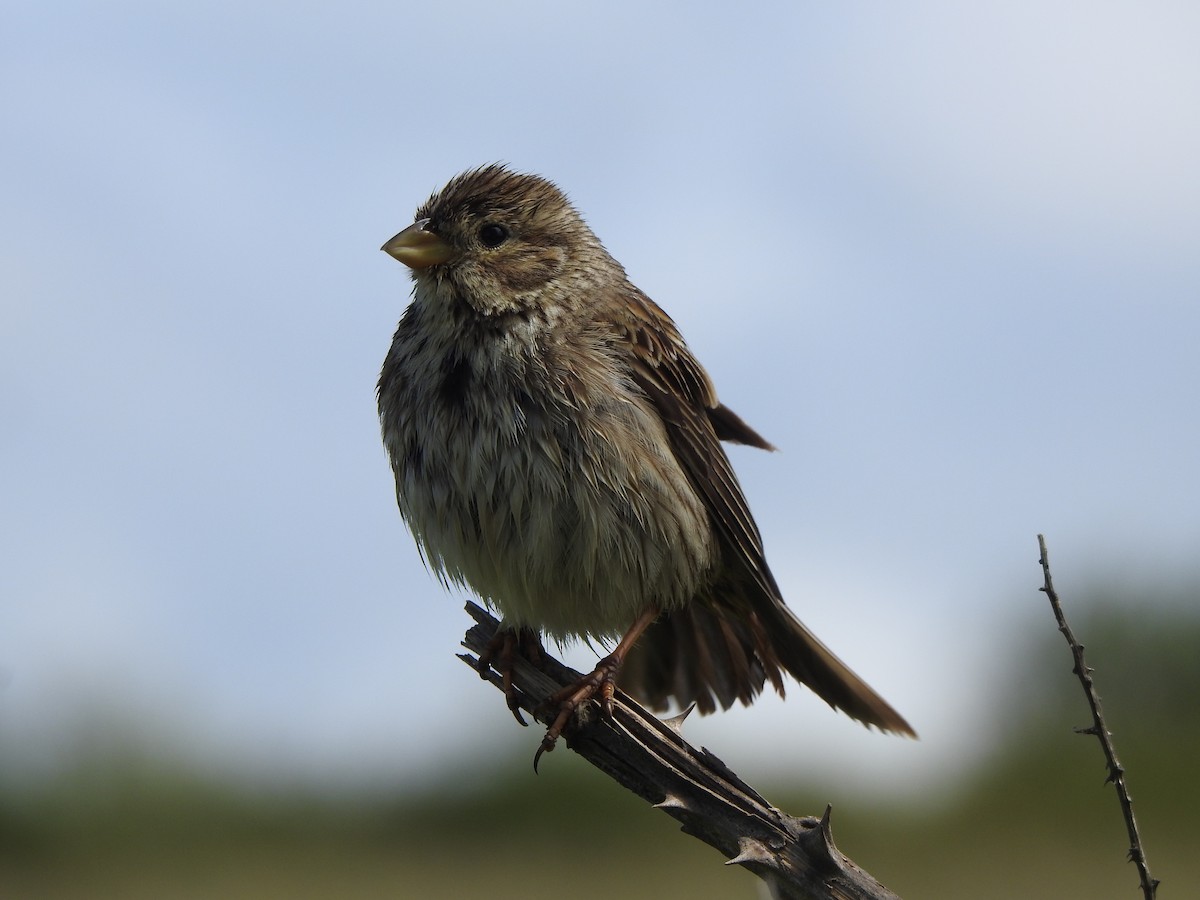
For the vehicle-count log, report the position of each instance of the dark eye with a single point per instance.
(493, 235)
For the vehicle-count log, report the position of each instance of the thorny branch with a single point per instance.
(796, 857)
(1116, 773)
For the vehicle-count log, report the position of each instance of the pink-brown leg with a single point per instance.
(600, 684)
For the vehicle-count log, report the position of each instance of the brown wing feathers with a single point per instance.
(724, 647)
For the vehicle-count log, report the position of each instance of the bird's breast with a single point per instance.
(548, 488)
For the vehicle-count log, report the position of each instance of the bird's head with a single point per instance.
(502, 241)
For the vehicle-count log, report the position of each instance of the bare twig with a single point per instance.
(1116, 773)
(796, 857)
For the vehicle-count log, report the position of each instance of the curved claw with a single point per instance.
(543, 748)
(500, 654)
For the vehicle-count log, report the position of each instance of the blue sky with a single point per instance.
(944, 256)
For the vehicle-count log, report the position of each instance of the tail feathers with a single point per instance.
(699, 654)
(812, 663)
(712, 657)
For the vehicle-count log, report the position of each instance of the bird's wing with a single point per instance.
(684, 396)
(682, 393)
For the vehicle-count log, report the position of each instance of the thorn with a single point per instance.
(819, 842)
(823, 827)
(1091, 729)
(750, 851)
(675, 723)
(670, 801)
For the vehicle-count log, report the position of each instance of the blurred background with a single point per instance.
(945, 256)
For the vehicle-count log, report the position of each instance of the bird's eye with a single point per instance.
(493, 235)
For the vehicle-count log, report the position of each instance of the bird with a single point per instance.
(557, 449)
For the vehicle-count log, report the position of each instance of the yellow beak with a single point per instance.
(418, 248)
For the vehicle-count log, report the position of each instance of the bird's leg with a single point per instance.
(600, 684)
(506, 644)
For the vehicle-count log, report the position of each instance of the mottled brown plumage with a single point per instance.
(557, 448)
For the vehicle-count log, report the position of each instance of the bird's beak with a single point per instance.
(417, 247)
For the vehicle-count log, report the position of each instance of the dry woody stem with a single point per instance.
(1116, 773)
(796, 857)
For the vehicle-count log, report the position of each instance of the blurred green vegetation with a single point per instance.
(1036, 819)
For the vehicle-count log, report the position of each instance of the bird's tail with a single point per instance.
(812, 663)
(713, 656)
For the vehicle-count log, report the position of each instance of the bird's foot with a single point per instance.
(599, 685)
(501, 652)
